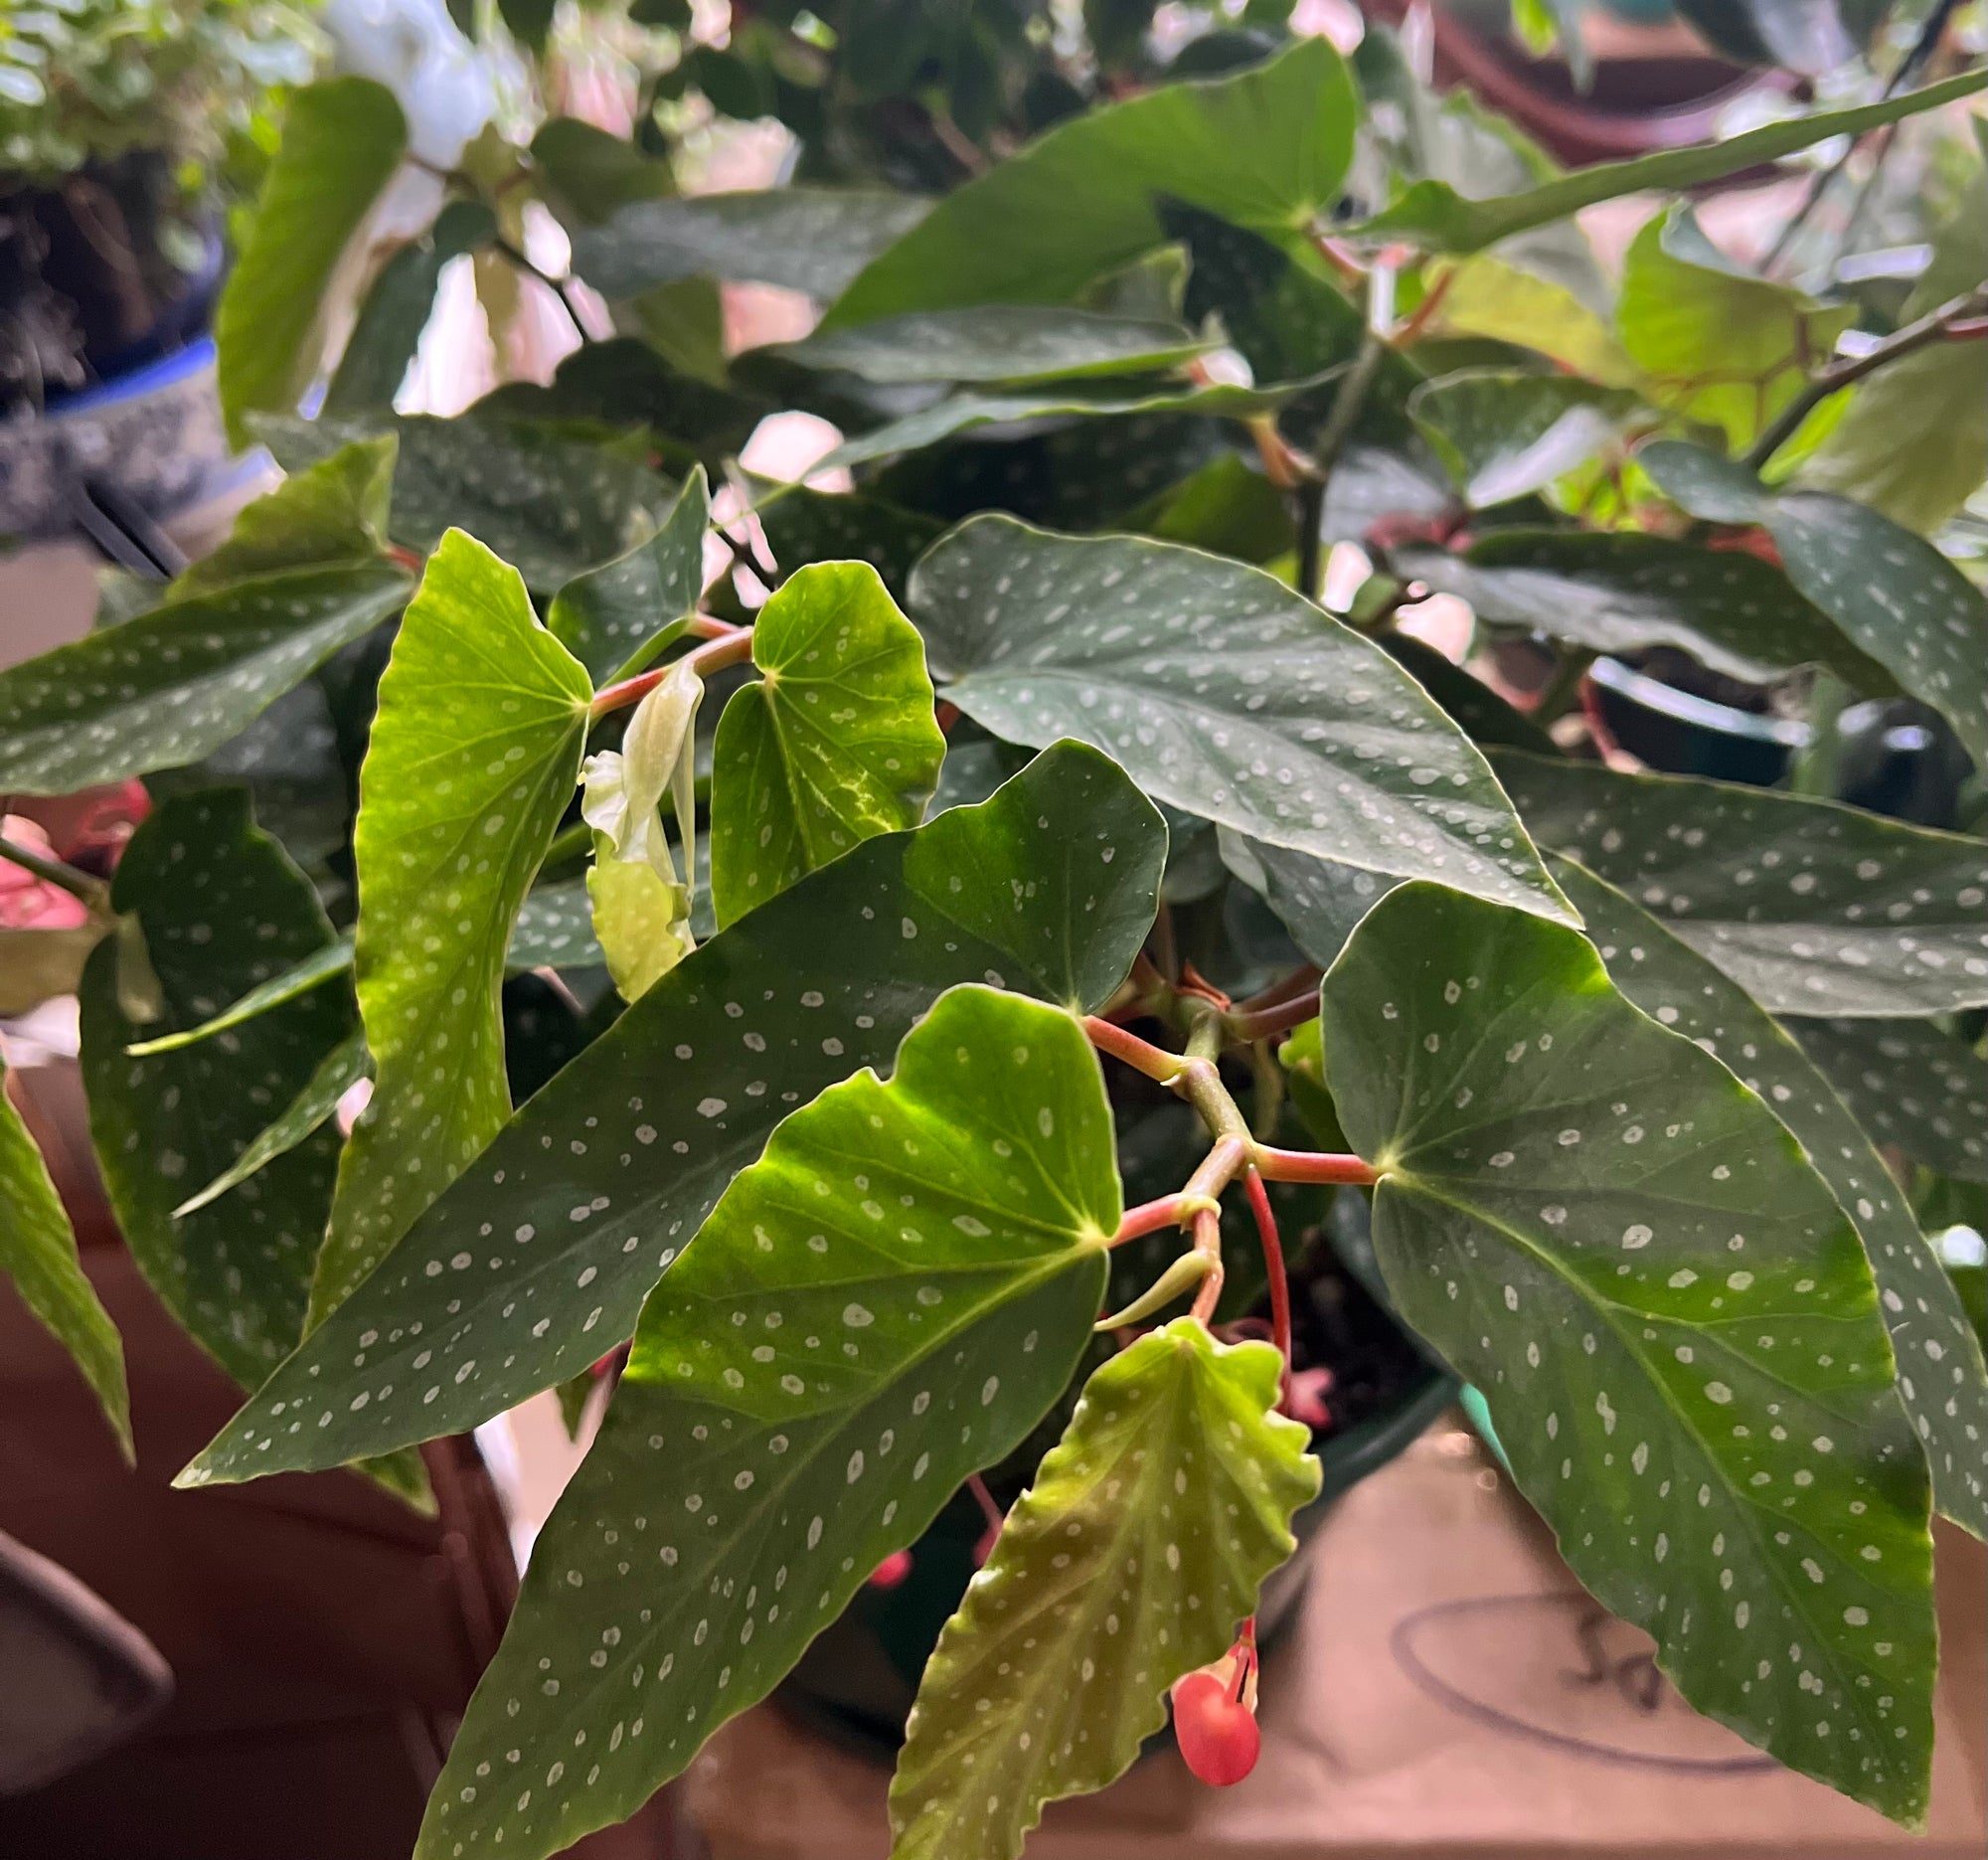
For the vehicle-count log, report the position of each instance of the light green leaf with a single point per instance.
(1503, 434)
(342, 138)
(217, 906)
(1672, 1322)
(1940, 1375)
(836, 741)
(554, 930)
(473, 756)
(1437, 217)
(604, 1176)
(808, 1388)
(1266, 149)
(1222, 692)
(616, 618)
(1909, 1083)
(1489, 295)
(38, 1254)
(997, 342)
(1811, 906)
(308, 972)
(1892, 593)
(1627, 590)
(334, 512)
(812, 240)
(1135, 1553)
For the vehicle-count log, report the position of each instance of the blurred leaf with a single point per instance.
(1911, 1085)
(590, 174)
(616, 618)
(1502, 435)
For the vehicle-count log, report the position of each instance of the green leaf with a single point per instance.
(1228, 507)
(1911, 1085)
(1478, 711)
(679, 1095)
(1671, 1320)
(1489, 295)
(835, 742)
(1504, 433)
(1941, 1379)
(38, 1254)
(1436, 217)
(528, 20)
(1717, 344)
(617, 618)
(812, 240)
(38, 965)
(382, 346)
(218, 907)
(308, 972)
(1136, 1552)
(805, 526)
(997, 342)
(1811, 906)
(1220, 692)
(1806, 36)
(1626, 591)
(332, 513)
(1892, 593)
(590, 174)
(473, 756)
(752, 1471)
(1266, 149)
(1319, 901)
(343, 139)
(554, 930)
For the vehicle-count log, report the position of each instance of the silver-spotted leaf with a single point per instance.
(1673, 1323)
(300, 977)
(834, 742)
(333, 512)
(554, 930)
(1503, 434)
(889, 1299)
(1812, 907)
(1223, 693)
(1909, 1083)
(1131, 1560)
(804, 526)
(536, 1260)
(617, 618)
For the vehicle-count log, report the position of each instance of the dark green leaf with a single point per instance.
(1811, 908)
(299, 978)
(219, 909)
(1436, 217)
(474, 757)
(1807, 36)
(1673, 1323)
(342, 138)
(617, 618)
(1220, 692)
(1940, 1374)
(590, 174)
(1478, 711)
(835, 742)
(1319, 901)
(1266, 149)
(38, 1254)
(649, 1124)
(528, 20)
(1502, 435)
(1910, 1085)
(1136, 1552)
(1227, 507)
(554, 930)
(804, 526)
(752, 1472)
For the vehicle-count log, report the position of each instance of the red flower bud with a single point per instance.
(1215, 1717)
(892, 1571)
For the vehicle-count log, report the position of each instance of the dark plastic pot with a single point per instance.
(1686, 733)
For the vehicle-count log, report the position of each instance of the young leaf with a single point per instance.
(1626, 591)
(38, 1253)
(1811, 908)
(1135, 1553)
(1503, 434)
(1220, 692)
(218, 907)
(997, 342)
(342, 138)
(1436, 217)
(836, 741)
(1940, 1376)
(473, 756)
(1672, 1321)
(808, 1388)
(35, 965)
(617, 618)
(1893, 594)
(1049, 887)
(1266, 149)
(1909, 1083)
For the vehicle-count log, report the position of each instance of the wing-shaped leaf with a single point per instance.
(1672, 1321)
(1220, 692)
(1504, 433)
(1436, 217)
(1623, 591)
(889, 1299)
(473, 756)
(220, 908)
(813, 240)
(342, 141)
(38, 1254)
(997, 342)
(1266, 149)
(1893, 594)
(1940, 1374)
(1811, 908)
(1909, 1083)
(617, 618)
(835, 742)
(1051, 887)
(1135, 1553)
(588, 174)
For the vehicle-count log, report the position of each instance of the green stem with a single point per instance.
(1563, 687)
(80, 885)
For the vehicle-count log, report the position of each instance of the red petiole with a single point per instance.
(1273, 1268)
(724, 644)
